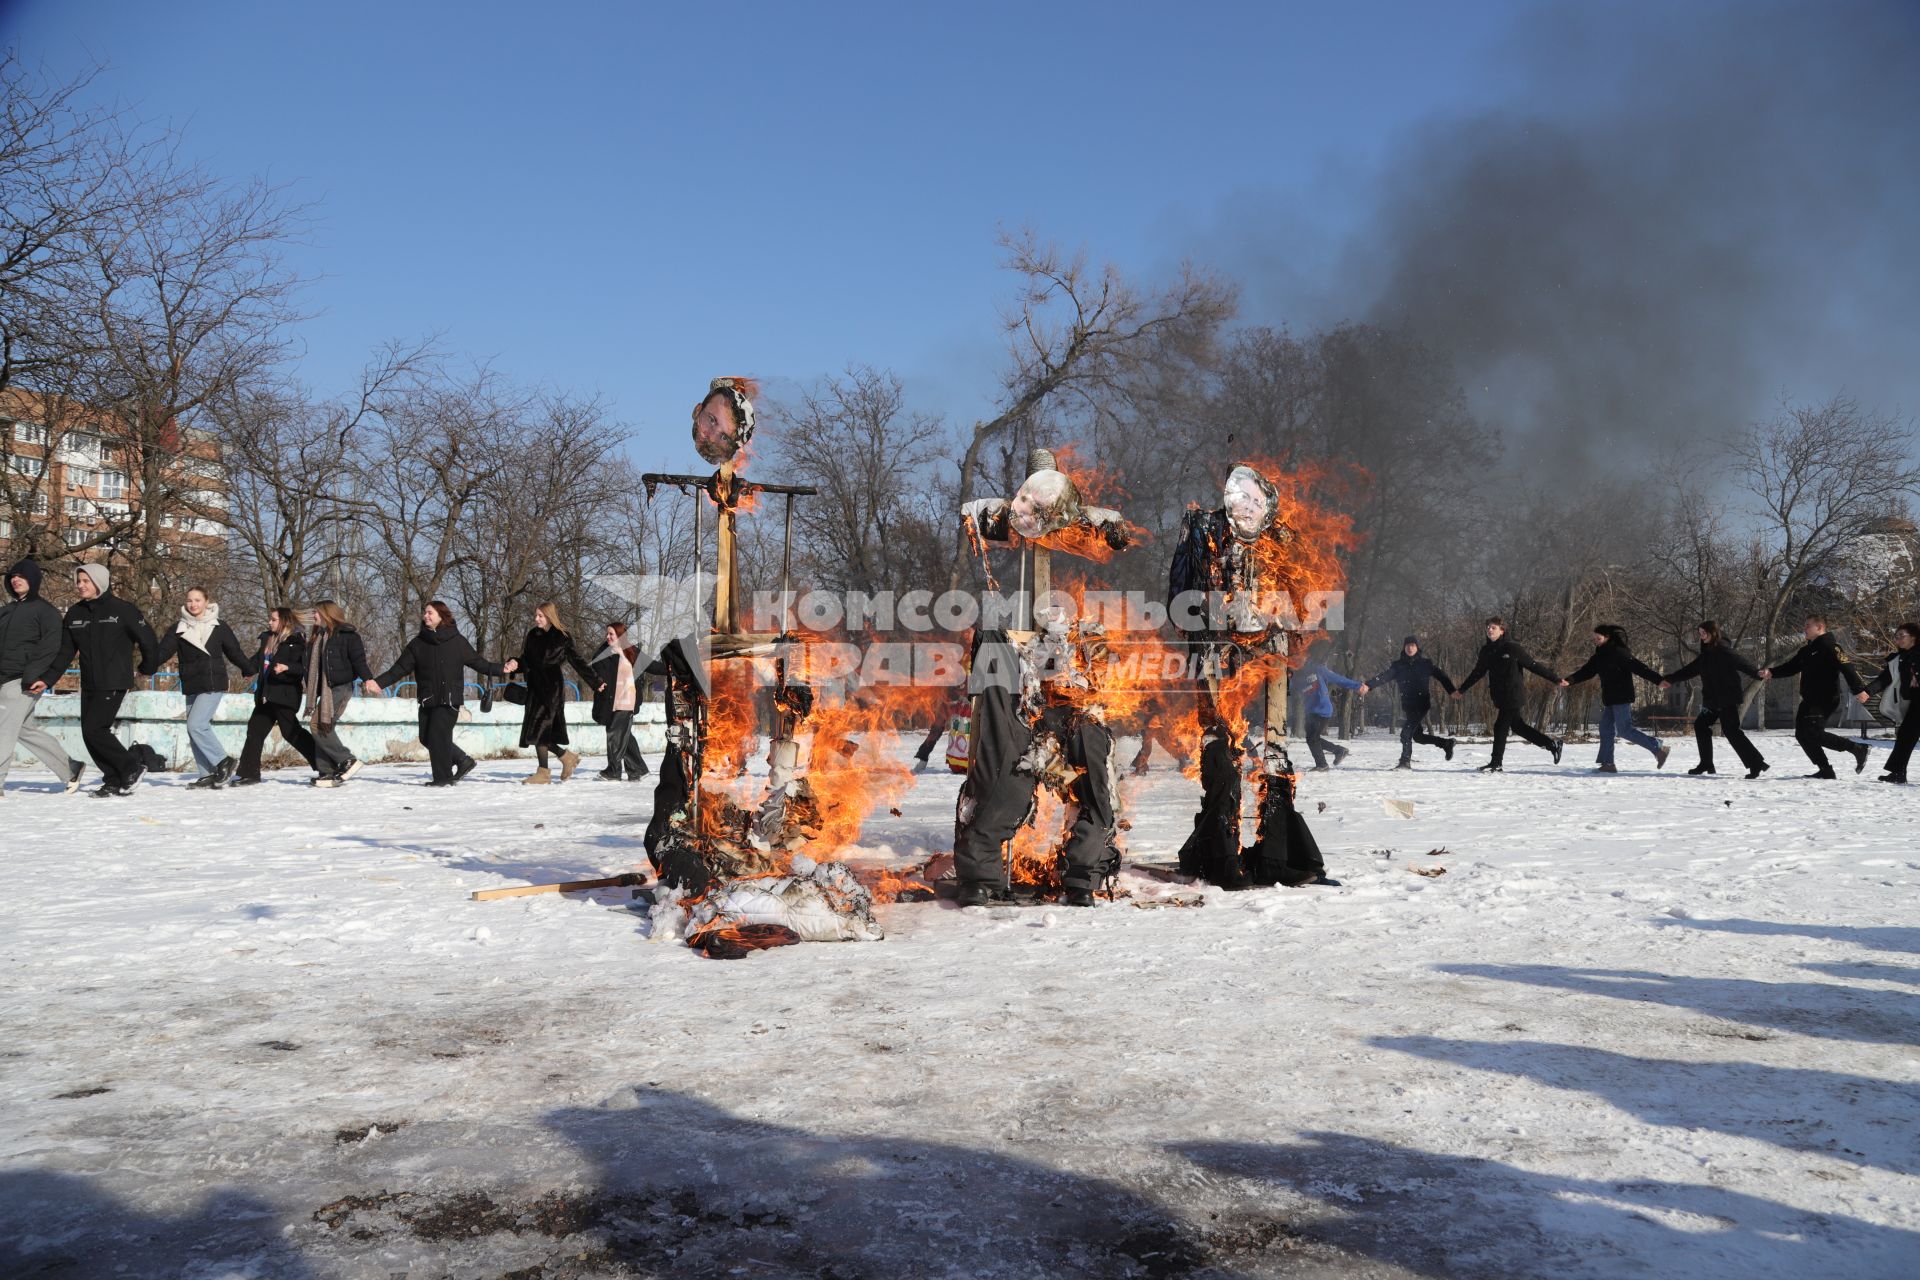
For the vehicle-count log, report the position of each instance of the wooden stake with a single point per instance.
(565, 886)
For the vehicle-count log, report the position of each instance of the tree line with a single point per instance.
(147, 294)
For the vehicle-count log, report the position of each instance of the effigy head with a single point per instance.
(1252, 503)
(1046, 501)
(723, 421)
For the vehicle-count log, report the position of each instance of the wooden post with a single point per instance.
(726, 597)
(1042, 581)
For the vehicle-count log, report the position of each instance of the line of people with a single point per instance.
(1823, 667)
(302, 678)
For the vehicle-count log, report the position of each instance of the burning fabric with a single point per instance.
(818, 902)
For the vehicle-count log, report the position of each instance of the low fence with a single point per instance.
(373, 728)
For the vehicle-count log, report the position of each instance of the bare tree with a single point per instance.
(1077, 338)
(1820, 477)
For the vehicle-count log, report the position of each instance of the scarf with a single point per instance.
(197, 631)
(625, 696)
(320, 709)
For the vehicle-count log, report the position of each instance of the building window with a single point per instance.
(29, 466)
(79, 478)
(79, 507)
(29, 433)
(74, 537)
(113, 484)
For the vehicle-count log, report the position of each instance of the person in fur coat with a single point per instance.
(547, 649)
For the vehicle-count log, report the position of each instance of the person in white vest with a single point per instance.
(1898, 685)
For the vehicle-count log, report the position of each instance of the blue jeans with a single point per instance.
(207, 751)
(1619, 720)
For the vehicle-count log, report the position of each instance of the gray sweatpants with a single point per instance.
(17, 726)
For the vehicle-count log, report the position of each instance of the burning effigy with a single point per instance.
(743, 858)
(1250, 564)
(1039, 729)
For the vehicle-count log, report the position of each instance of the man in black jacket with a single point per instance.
(30, 643)
(1501, 661)
(104, 630)
(1821, 665)
(1613, 662)
(1719, 667)
(1900, 679)
(1412, 672)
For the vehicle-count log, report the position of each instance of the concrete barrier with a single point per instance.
(374, 729)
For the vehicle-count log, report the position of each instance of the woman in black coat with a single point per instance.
(438, 659)
(1719, 669)
(204, 645)
(547, 651)
(280, 669)
(1613, 662)
(339, 665)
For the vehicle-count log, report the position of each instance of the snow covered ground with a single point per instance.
(1645, 1025)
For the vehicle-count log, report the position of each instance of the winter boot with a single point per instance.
(1559, 745)
(538, 778)
(1446, 745)
(1492, 766)
(1860, 754)
(1077, 896)
(1405, 763)
(1660, 757)
(1899, 779)
(1702, 767)
(1757, 770)
(569, 761)
(1604, 768)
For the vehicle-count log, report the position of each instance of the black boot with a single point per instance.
(1405, 763)
(1705, 766)
(1492, 766)
(1559, 745)
(1757, 770)
(1446, 745)
(1860, 754)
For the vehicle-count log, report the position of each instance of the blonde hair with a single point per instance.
(329, 615)
(552, 611)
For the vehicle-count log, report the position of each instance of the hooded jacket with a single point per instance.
(203, 670)
(1719, 669)
(32, 635)
(1616, 666)
(437, 660)
(1821, 665)
(1907, 663)
(1501, 662)
(104, 632)
(1313, 692)
(1412, 676)
(280, 688)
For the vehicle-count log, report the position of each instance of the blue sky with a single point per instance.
(634, 198)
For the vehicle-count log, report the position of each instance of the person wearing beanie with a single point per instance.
(103, 631)
(1411, 673)
(31, 638)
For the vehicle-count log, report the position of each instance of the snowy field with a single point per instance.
(1645, 1025)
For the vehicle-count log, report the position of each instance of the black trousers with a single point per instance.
(1508, 721)
(623, 751)
(436, 735)
(1414, 728)
(265, 718)
(1810, 730)
(1728, 718)
(1903, 740)
(98, 707)
(1317, 739)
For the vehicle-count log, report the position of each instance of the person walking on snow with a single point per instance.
(1318, 704)
(1821, 665)
(1501, 662)
(1719, 668)
(545, 651)
(615, 703)
(203, 645)
(438, 658)
(32, 636)
(1899, 686)
(1411, 673)
(280, 675)
(1614, 663)
(336, 663)
(103, 631)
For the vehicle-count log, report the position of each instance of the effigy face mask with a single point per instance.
(1045, 503)
(1251, 503)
